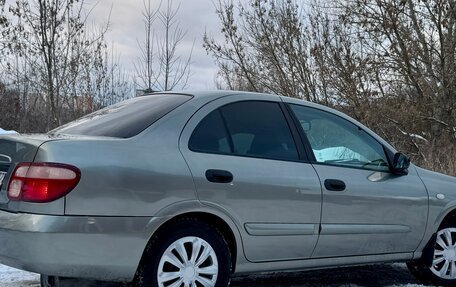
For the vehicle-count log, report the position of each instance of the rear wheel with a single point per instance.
(442, 270)
(49, 281)
(187, 254)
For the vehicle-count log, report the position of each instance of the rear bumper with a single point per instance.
(103, 248)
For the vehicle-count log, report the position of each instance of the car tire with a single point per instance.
(440, 268)
(49, 281)
(186, 252)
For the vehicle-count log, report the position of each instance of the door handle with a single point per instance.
(335, 185)
(219, 176)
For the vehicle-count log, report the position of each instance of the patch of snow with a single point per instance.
(5, 132)
(418, 137)
(414, 136)
(387, 275)
(11, 277)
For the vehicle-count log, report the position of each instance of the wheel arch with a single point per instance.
(421, 267)
(216, 221)
(449, 219)
(446, 219)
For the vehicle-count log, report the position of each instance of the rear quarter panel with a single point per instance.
(126, 177)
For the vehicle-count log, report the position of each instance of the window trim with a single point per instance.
(304, 141)
(302, 157)
(308, 147)
(303, 154)
(225, 126)
(353, 167)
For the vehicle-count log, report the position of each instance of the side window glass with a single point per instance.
(259, 129)
(337, 141)
(250, 128)
(210, 135)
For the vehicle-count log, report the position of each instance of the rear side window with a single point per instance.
(249, 128)
(211, 136)
(125, 119)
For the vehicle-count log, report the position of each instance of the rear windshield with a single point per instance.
(125, 119)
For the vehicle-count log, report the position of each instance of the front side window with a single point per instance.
(336, 141)
(249, 128)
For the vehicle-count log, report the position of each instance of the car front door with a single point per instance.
(244, 159)
(365, 208)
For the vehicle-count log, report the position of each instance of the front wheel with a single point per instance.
(188, 254)
(442, 270)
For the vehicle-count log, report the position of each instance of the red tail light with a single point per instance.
(42, 182)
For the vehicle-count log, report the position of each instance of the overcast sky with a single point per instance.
(195, 16)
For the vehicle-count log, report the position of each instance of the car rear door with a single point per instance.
(244, 159)
(365, 208)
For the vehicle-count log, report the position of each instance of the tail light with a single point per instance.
(42, 182)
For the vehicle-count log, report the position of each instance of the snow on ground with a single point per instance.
(391, 275)
(10, 277)
(387, 275)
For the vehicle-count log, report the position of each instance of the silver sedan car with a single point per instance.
(186, 189)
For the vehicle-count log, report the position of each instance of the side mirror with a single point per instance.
(401, 163)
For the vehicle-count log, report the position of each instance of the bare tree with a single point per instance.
(9, 108)
(160, 66)
(390, 64)
(267, 45)
(2, 7)
(417, 40)
(56, 61)
(52, 31)
(3, 23)
(175, 70)
(144, 66)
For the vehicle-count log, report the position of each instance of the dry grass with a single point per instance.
(439, 159)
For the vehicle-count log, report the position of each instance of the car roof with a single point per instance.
(213, 94)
